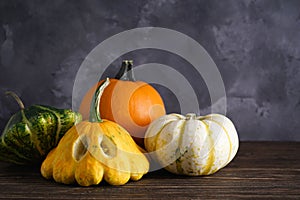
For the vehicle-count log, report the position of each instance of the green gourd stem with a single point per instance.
(126, 71)
(95, 105)
(17, 98)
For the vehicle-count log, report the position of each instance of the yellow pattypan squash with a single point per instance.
(94, 150)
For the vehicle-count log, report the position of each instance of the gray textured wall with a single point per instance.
(255, 44)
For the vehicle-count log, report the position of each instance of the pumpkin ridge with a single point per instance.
(58, 124)
(33, 134)
(230, 148)
(180, 140)
(211, 155)
(159, 132)
(44, 125)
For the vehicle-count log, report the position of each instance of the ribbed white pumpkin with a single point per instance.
(192, 145)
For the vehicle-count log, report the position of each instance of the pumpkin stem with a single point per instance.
(126, 71)
(191, 116)
(17, 98)
(95, 105)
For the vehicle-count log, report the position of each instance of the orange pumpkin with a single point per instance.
(132, 104)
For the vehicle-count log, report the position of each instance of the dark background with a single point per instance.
(255, 44)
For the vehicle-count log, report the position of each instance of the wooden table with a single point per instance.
(260, 170)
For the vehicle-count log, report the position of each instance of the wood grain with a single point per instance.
(268, 170)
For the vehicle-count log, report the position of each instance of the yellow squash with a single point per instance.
(94, 150)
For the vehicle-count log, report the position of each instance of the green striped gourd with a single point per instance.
(32, 132)
(192, 145)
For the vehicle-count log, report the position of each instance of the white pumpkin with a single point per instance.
(192, 145)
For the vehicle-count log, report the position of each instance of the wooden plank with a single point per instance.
(260, 170)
